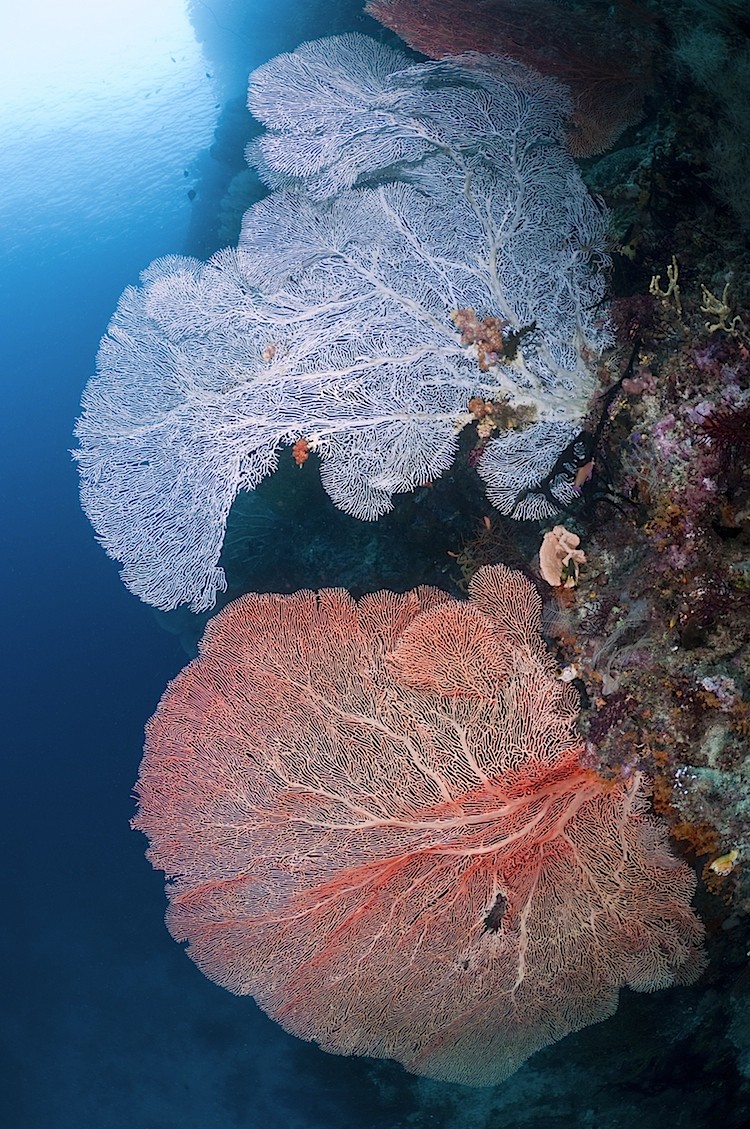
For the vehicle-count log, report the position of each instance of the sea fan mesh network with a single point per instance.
(374, 819)
(403, 193)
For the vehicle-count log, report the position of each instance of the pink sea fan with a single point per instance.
(374, 820)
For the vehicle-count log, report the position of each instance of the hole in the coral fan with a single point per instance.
(494, 918)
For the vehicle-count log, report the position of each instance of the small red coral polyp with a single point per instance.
(301, 452)
(375, 820)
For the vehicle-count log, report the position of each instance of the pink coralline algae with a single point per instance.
(374, 819)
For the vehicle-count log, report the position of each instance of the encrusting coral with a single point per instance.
(658, 634)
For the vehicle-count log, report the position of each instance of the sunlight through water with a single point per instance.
(98, 102)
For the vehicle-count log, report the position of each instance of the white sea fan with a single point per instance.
(514, 464)
(332, 320)
(346, 108)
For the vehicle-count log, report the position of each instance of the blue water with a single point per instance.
(105, 1024)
